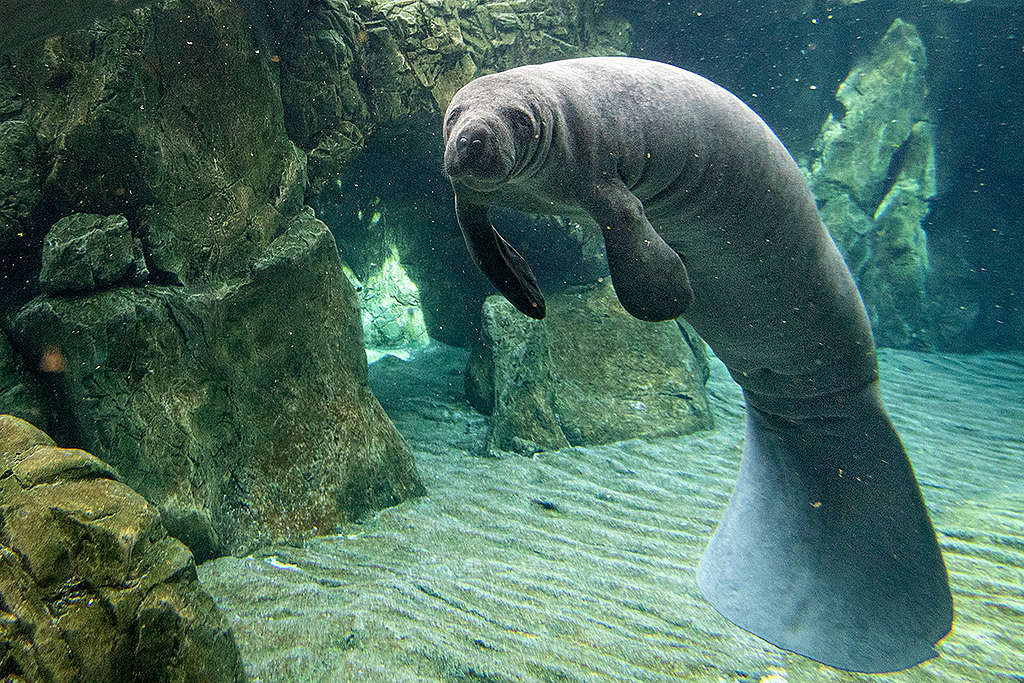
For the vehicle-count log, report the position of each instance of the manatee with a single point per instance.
(825, 548)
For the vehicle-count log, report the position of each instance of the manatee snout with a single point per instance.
(479, 150)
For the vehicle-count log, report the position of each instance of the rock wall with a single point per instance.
(195, 326)
(353, 68)
(20, 181)
(391, 306)
(171, 117)
(84, 252)
(222, 371)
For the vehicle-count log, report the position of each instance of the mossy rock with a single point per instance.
(587, 374)
(93, 586)
(241, 410)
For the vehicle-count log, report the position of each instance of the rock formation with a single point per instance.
(873, 171)
(587, 374)
(241, 409)
(91, 585)
(222, 372)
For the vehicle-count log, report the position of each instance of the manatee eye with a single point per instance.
(520, 120)
(452, 116)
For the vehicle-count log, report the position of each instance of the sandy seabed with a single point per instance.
(578, 565)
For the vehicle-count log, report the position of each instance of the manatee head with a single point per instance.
(491, 133)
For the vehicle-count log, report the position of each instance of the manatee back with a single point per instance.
(773, 296)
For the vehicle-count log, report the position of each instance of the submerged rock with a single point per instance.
(84, 251)
(588, 374)
(874, 177)
(390, 305)
(509, 375)
(19, 394)
(883, 98)
(92, 586)
(20, 181)
(241, 410)
(170, 116)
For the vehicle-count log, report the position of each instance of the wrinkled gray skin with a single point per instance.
(826, 548)
(630, 141)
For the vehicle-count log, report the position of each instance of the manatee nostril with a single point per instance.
(470, 146)
(473, 152)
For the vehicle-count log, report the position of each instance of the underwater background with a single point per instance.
(266, 423)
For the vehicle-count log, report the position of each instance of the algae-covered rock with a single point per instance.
(587, 374)
(618, 378)
(171, 117)
(20, 182)
(241, 410)
(898, 280)
(19, 394)
(390, 305)
(92, 586)
(85, 251)
(325, 110)
(874, 176)
(883, 97)
(850, 227)
(517, 358)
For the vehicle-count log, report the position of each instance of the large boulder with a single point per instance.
(509, 377)
(587, 374)
(83, 252)
(92, 586)
(873, 171)
(240, 409)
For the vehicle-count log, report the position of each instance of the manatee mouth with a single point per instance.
(477, 184)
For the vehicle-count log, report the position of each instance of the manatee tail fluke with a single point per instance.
(826, 548)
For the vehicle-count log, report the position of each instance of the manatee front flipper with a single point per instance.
(502, 264)
(649, 278)
(826, 548)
